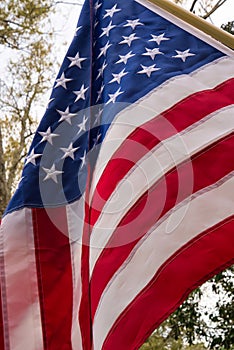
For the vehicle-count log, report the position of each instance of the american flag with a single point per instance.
(126, 199)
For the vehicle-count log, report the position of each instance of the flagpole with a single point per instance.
(222, 36)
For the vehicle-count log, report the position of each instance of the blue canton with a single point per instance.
(120, 52)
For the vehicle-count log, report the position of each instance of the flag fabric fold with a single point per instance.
(126, 199)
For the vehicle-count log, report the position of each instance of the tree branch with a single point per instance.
(214, 8)
(4, 195)
(68, 3)
(193, 5)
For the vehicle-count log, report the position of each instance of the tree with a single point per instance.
(160, 342)
(202, 8)
(21, 21)
(222, 319)
(25, 33)
(194, 326)
(27, 83)
(229, 27)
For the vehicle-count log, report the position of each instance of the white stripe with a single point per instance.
(151, 168)
(75, 220)
(23, 317)
(203, 212)
(186, 26)
(157, 101)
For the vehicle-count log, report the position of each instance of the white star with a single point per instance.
(106, 30)
(133, 23)
(96, 139)
(62, 81)
(83, 159)
(125, 58)
(99, 92)
(98, 117)
(50, 100)
(20, 181)
(148, 70)
(66, 115)
(183, 54)
(76, 61)
(101, 70)
(118, 77)
(98, 136)
(69, 152)
(99, 113)
(82, 125)
(80, 94)
(47, 135)
(152, 52)
(111, 12)
(104, 49)
(31, 158)
(128, 39)
(158, 38)
(77, 29)
(52, 173)
(114, 96)
(97, 5)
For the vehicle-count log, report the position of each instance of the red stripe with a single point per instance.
(84, 311)
(180, 116)
(85, 304)
(1, 323)
(198, 261)
(1, 319)
(208, 167)
(54, 276)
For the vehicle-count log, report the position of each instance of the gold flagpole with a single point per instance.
(198, 22)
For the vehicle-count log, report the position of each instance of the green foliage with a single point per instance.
(186, 320)
(157, 342)
(20, 94)
(19, 20)
(162, 339)
(191, 327)
(25, 34)
(229, 27)
(182, 329)
(222, 320)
